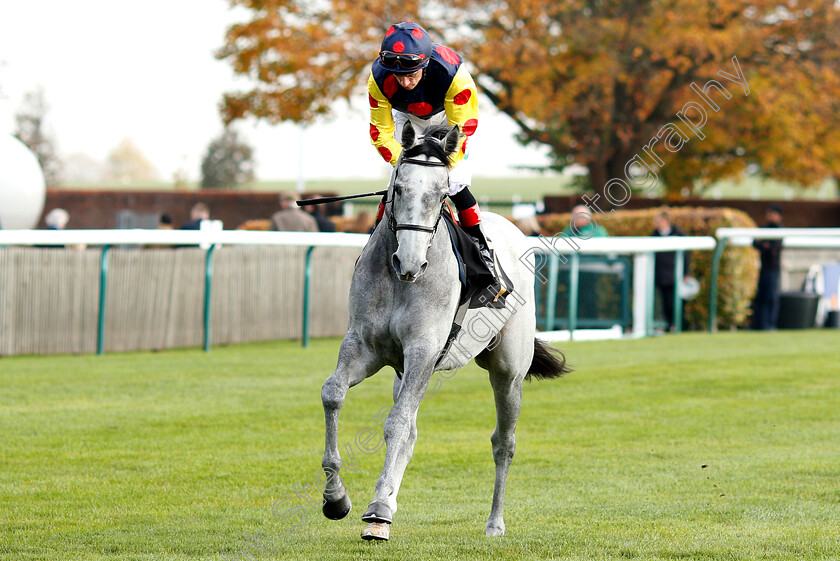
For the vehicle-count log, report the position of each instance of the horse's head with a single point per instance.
(421, 183)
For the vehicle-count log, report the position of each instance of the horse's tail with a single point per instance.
(547, 363)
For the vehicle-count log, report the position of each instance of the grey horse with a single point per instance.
(403, 299)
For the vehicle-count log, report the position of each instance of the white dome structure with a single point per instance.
(22, 186)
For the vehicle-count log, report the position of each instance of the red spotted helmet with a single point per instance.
(406, 48)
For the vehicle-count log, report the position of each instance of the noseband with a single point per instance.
(393, 225)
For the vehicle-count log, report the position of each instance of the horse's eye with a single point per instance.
(398, 189)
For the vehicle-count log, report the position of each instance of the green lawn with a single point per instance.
(692, 446)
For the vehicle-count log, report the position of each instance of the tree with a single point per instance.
(596, 81)
(31, 129)
(128, 164)
(228, 163)
(80, 168)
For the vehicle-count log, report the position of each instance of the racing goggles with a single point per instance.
(405, 62)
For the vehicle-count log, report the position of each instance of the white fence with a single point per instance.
(247, 286)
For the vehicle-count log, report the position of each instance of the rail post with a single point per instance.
(713, 289)
(551, 291)
(103, 284)
(307, 276)
(679, 268)
(574, 283)
(208, 288)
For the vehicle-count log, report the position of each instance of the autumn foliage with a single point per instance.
(594, 81)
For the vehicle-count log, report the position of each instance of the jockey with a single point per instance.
(416, 80)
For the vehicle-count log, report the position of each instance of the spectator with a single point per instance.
(766, 303)
(320, 216)
(529, 226)
(57, 219)
(362, 223)
(663, 276)
(291, 219)
(583, 225)
(165, 222)
(198, 213)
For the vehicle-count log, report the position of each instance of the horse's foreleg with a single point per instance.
(400, 432)
(354, 365)
(508, 396)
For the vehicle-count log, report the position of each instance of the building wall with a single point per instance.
(100, 209)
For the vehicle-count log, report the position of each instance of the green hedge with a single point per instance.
(738, 267)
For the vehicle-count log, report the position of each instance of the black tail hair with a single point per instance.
(548, 362)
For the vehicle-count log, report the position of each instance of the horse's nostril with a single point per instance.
(423, 268)
(396, 262)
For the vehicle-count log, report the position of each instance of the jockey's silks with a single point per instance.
(446, 86)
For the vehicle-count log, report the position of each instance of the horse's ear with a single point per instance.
(450, 141)
(408, 135)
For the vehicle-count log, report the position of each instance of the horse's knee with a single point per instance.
(333, 393)
(397, 427)
(504, 446)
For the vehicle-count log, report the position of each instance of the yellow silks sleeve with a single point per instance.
(461, 105)
(382, 124)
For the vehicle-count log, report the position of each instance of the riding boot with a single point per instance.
(495, 292)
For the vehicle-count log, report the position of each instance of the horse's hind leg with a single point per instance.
(355, 364)
(507, 363)
(508, 395)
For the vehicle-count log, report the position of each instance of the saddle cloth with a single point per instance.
(477, 283)
(478, 287)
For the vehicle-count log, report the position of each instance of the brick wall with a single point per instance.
(99, 209)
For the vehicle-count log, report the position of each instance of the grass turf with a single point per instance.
(692, 446)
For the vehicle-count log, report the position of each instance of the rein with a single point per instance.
(393, 225)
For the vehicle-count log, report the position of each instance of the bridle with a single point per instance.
(393, 225)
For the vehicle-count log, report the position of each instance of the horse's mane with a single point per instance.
(429, 144)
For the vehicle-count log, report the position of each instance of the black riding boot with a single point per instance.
(470, 217)
(494, 293)
(477, 234)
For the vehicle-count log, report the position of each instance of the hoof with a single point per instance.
(376, 531)
(338, 509)
(494, 530)
(378, 512)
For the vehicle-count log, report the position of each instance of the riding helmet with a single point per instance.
(406, 48)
